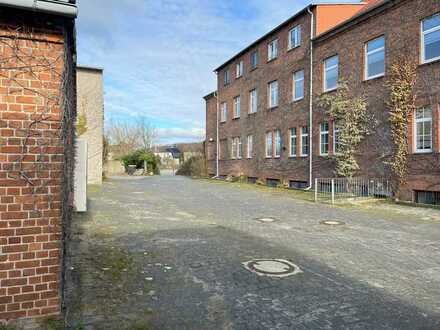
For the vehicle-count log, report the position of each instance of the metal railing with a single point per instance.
(332, 189)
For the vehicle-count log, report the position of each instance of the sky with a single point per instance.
(159, 55)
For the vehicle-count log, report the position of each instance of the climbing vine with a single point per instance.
(349, 113)
(401, 104)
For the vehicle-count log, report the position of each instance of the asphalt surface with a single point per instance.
(167, 253)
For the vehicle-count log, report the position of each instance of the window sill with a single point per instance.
(236, 118)
(253, 69)
(297, 100)
(366, 80)
(250, 114)
(273, 108)
(423, 152)
(272, 59)
(236, 78)
(328, 91)
(435, 60)
(293, 48)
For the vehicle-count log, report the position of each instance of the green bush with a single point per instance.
(139, 157)
(194, 167)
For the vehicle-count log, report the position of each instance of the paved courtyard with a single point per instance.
(167, 253)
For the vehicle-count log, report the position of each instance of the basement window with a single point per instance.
(428, 197)
(272, 182)
(298, 184)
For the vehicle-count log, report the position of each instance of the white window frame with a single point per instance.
(367, 54)
(269, 136)
(295, 81)
(227, 77)
(291, 144)
(257, 57)
(278, 143)
(253, 101)
(239, 148)
(224, 112)
(272, 50)
(234, 148)
(422, 40)
(326, 89)
(273, 83)
(321, 134)
(250, 147)
(304, 135)
(297, 31)
(237, 107)
(336, 130)
(239, 68)
(422, 120)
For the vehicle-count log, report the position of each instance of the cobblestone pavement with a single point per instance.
(167, 252)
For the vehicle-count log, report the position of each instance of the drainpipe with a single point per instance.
(217, 174)
(312, 28)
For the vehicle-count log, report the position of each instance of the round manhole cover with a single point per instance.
(266, 220)
(332, 223)
(272, 267)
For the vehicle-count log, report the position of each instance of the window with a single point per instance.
(269, 145)
(293, 142)
(431, 39)
(234, 148)
(237, 148)
(224, 112)
(331, 73)
(240, 148)
(237, 107)
(272, 50)
(298, 85)
(278, 142)
(295, 37)
(227, 77)
(239, 69)
(304, 141)
(375, 58)
(423, 130)
(254, 60)
(323, 139)
(428, 197)
(250, 146)
(336, 138)
(273, 94)
(253, 101)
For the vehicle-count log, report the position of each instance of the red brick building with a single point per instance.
(266, 106)
(37, 112)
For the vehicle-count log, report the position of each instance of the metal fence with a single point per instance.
(332, 189)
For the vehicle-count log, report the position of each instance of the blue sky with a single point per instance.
(159, 55)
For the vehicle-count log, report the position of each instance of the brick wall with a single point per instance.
(32, 155)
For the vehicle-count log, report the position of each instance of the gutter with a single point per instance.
(60, 8)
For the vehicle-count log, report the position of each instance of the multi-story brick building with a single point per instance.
(37, 115)
(266, 106)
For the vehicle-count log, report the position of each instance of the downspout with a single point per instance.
(312, 28)
(217, 173)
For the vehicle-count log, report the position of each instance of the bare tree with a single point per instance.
(146, 134)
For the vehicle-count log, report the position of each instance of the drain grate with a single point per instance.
(332, 223)
(266, 220)
(272, 267)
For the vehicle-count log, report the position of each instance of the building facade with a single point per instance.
(37, 115)
(265, 109)
(90, 100)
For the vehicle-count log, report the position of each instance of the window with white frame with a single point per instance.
(304, 141)
(323, 139)
(431, 39)
(253, 101)
(254, 59)
(227, 77)
(239, 69)
(331, 73)
(293, 142)
(375, 58)
(237, 107)
(298, 85)
(295, 37)
(272, 50)
(224, 112)
(239, 148)
(336, 138)
(269, 145)
(234, 148)
(278, 143)
(273, 94)
(250, 146)
(423, 130)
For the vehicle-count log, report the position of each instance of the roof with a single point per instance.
(288, 21)
(374, 7)
(65, 8)
(210, 95)
(90, 68)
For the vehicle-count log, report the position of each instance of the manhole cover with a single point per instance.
(332, 223)
(266, 220)
(272, 267)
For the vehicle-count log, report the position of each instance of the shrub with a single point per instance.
(139, 157)
(194, 167)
